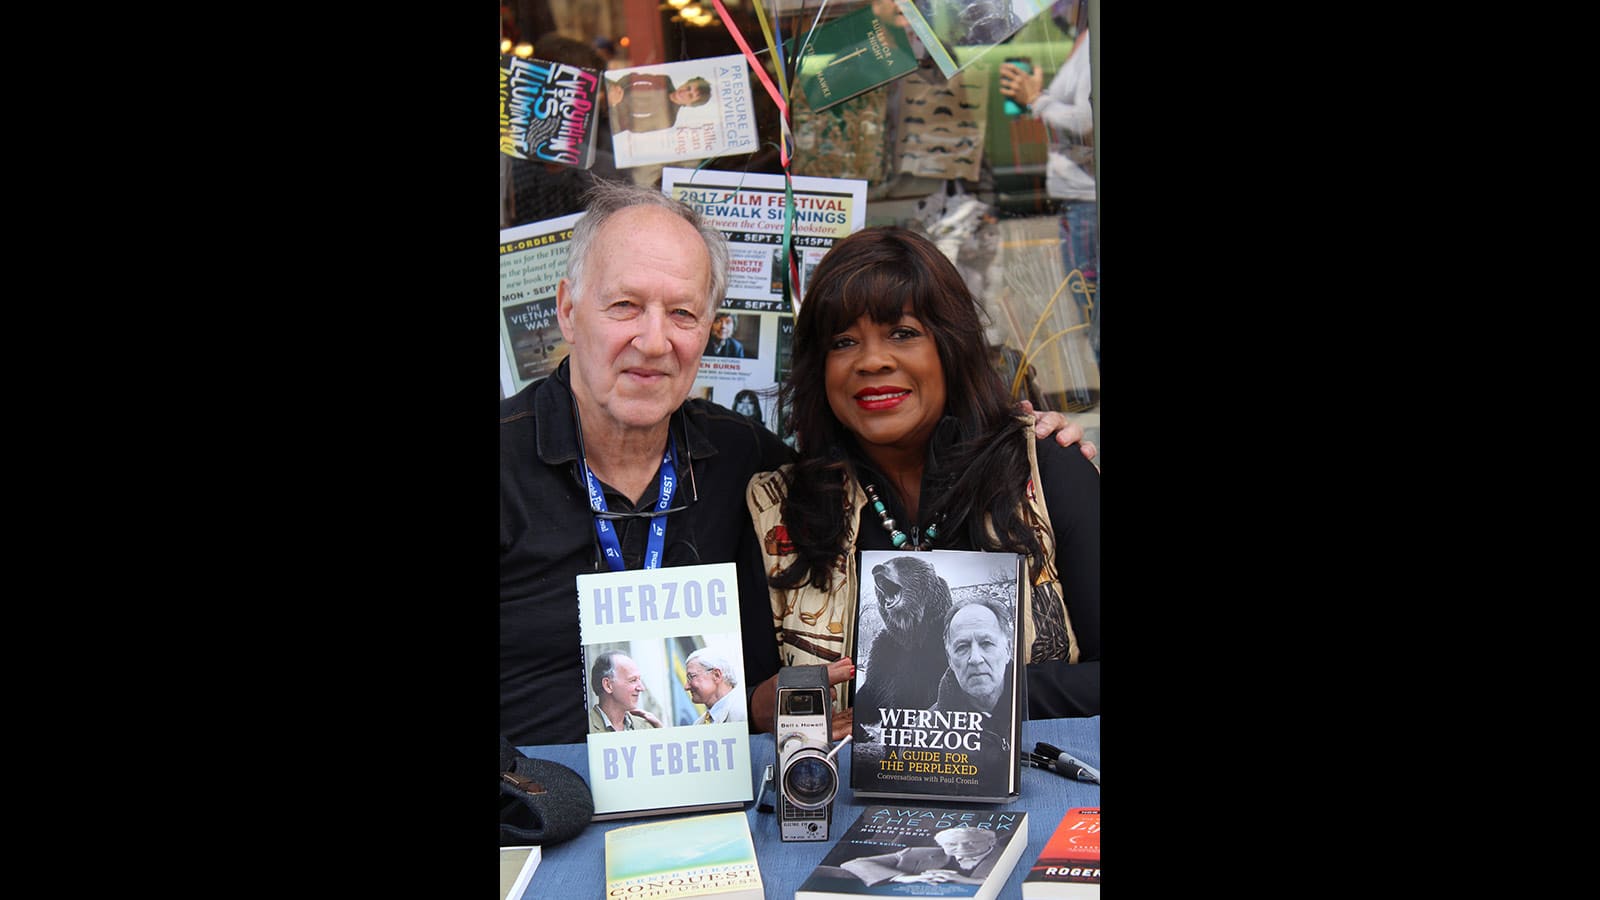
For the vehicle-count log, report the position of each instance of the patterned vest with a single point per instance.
(816, 627)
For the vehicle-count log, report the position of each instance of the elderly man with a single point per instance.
(617, 686)
(608, 464)
(978, 650)
(964, 855)
(711, 681)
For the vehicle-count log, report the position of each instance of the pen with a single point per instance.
(1067, 764)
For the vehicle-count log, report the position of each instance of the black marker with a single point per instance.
(1067, 764)
(1039, 761)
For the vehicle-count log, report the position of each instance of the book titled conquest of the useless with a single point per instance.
(1069, 865)
(696, 856)
(548, 111)
(645, 623)
(918, 851)
(937, 709)
(851, 55)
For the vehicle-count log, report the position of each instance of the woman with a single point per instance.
(1066, 111)
(747, 403)
(912, 414)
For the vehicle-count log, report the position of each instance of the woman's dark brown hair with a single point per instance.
(881, 272)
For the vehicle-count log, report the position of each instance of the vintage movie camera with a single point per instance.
(807, 777)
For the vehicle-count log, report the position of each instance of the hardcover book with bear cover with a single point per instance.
(938, 698)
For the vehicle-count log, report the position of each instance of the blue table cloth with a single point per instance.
(575, 870)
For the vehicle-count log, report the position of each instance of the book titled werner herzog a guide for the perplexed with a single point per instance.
(651, 747)
(937, 692)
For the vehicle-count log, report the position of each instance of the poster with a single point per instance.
(749, 208)
(533, 258)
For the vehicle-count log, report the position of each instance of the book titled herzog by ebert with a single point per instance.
(938, 695)
(651, 750)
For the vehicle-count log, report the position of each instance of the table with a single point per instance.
(575, 869)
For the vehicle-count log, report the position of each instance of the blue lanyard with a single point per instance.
(658, 523)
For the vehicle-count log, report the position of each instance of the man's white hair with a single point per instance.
(711, 659)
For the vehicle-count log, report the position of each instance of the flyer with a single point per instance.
(750, 210)
(533, 258)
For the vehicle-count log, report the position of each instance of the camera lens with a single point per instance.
(810, 781)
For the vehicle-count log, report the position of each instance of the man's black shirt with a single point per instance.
(547, 539)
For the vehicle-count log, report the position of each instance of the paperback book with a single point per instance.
(1069, 864)
(918, 851)
(942, 126)
(517, 865)
(695, 856)
(548, 111)
(944, 26)
(851, 55)
(692, 109)
(658, 741)
(937, 696)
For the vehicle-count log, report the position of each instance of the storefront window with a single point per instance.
(995, 161)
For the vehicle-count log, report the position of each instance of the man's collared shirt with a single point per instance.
(729, 709)
(599, 721)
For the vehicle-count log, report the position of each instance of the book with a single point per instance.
(1069, 864)
(549, 111)
(945, 26)
(942, 126)
(639, 630)
(937, 715)
(692, 856)
(533, 258)
(516, 870)
(851, 55)
(847, 141)
(917, 851)
(657, 115)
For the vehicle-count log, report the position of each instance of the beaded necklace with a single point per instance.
(922, 541)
